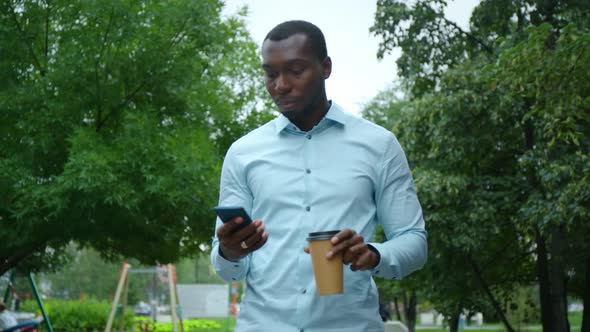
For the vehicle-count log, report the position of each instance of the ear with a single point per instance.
(327, 67)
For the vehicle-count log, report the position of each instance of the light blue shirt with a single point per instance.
(344, 173)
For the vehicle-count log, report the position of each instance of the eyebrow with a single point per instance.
(289, 63)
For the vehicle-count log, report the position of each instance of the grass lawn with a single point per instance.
(227, 325)
(575, 319)
(220, 325)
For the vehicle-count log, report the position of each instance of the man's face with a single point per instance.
(294, 76)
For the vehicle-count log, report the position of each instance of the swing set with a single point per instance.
(31, 325)
(168, 274)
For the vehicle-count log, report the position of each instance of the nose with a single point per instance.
(282, 84)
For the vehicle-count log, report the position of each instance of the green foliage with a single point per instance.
(191, 325)
(81, 316)
(498, 139)
(385, 108)
(88, 275)
(431, 43)
(114, 119)
(523, 308)
(197, 269)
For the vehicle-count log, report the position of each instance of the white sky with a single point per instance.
(357, 75)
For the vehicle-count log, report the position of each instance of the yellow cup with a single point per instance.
(327, 273)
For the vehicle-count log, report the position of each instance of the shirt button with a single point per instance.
(307, 208)
(308, 136)
(308, 171)
(303, 290)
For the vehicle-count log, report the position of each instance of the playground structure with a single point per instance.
(168, 274)
(33, 324)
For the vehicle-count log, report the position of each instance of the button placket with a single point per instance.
(307, 152)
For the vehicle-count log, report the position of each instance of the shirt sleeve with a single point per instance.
(233, 191)
(400, 215)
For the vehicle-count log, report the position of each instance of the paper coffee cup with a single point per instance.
(327, 272)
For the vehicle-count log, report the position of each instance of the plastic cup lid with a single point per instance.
(326, 235)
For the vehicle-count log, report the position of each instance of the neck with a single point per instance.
(308, 119)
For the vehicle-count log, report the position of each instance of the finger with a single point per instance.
(260, 243)
(248, 230)
(254, 237)
(232, 240)
(342, 235)
(232, 243)
(306, 249)
(343, 245)
(352, 253)
(229, 226)
(363, 262)
(236, 237)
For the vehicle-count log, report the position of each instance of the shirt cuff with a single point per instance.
(229, 270)
(387, 267)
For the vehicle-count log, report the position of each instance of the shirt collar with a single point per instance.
(335, 113)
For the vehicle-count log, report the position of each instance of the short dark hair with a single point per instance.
(313, 33)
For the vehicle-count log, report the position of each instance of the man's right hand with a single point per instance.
(234, 245)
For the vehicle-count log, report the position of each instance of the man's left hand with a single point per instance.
(354, 251)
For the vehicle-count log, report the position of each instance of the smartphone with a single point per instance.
(226, 213)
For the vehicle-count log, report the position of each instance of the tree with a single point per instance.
(464, 194)
(113, 122)
(86, 275)
(548, 75)
(530, 89)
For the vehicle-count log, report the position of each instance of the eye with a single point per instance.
(298, 70)
(270, 74)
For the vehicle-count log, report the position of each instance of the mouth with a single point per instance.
(286, 104)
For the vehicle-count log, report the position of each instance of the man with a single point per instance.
(314, 168)
(7, 319)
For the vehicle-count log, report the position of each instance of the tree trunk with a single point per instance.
(454, 323)
(558, 281)
(396, 305)
(544, 285)
(541, 248)
(486, 288)
(586, 314)
(410, 310)
(405, 304)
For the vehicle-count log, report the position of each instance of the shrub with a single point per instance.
(193, 325)
(80, 316)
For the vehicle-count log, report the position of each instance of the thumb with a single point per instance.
(306, 249)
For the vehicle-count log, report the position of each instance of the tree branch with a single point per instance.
(469, 35)
(125, 100)
(488, 292)
(10, 261)
(96, 69)
(106, 33)
(29, 46)
(47, 33)
(173, 42)
(568, 74)
(500, 252)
